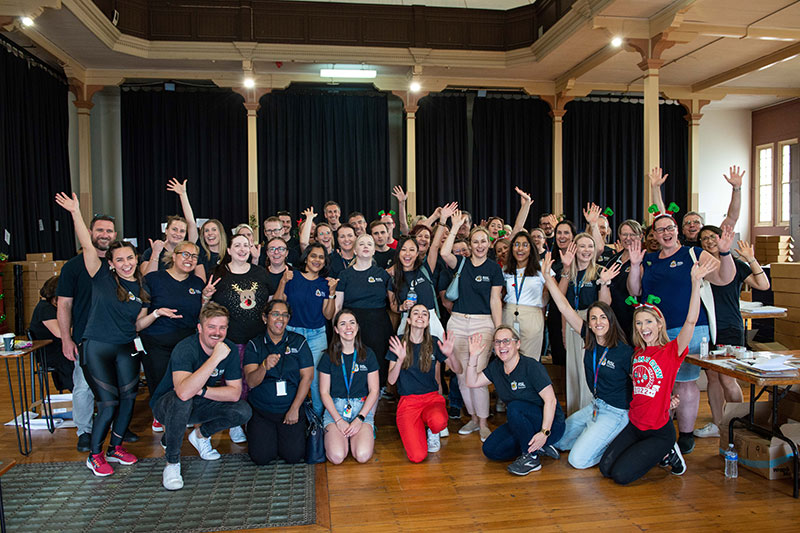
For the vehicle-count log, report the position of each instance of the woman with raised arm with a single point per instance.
(583, 283)
(312, 296)
(478, 309)
(349, 387)
(414, 362)
(730, 326)
(178, 230)
(119, 309)
(534, 420)
(213, 244)
(607, 367)
(649, 437)
(564, 235)
(628, 232)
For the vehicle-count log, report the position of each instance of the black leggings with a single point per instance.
(159, 349)
(375, 328)
(269, 438)
(634, 452)
(113, 375)
(556, 336)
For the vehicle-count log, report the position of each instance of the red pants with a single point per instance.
(414, 412)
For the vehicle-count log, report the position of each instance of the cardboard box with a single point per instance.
(785, 270)
(39, 257)
(785, 299)
(792, 342)
(786, 285)
(771, 459)
(45, 266)
(773, 238)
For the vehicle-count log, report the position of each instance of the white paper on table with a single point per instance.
(774, 363)
(36, 423)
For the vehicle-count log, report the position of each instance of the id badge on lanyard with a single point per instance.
(348, 409)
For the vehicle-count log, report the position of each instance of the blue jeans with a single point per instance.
(317, 343)
(510, 440)
(588, 438)
(688, 371)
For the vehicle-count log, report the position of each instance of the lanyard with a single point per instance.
(348, 382)
(577, 289)
(518, 286)
(597, 366)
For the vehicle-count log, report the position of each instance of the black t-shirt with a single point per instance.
(475, 286)
(43, 311)
(74, 282)
(294, 253)
(295, 355)
(619, 293)
(186, 296)
(412, 380)
(384, 259)
(614, 385)
(525, 382)
(210, 260)
(607, 255)
(364, 289)
(359, 388)
(273, 280)
(726, 299)
(110, 320)
(148, 254)
(188, 356)
(244, 295)
(417, 280)
(587, 294)
(337, 264)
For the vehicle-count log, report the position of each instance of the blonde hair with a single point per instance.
(223, 239)
(479, 229)
(592, 270)
(637, 339)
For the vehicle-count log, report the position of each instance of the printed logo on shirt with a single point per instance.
(518, 385)
(647, 376)
(375, 280)
(289, 350)
(363, 368)
(481, 278)
(247, 297)
(319, 293)
(133, 298)
(217, 372)
(649, 263)
(193, 291)
(674, 264)
(609, 364)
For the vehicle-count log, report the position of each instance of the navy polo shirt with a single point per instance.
(188, 356)
(306, 298)
(475, 286)
(524, 383)
(110, 320)
(148, 254)
(295, 354)
(75, 282)
(359, 388)
(422, 287)
(186, 296)
(588, 292)
(412, 380)
(364, 289)
(614, 385)
(671, 280)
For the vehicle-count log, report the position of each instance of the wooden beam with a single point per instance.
(567, 80)
(747, 68)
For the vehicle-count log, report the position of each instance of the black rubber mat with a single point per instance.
(231, 493)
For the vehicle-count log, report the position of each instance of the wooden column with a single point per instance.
(693, 118)
(557, 111)
(252, 105)
(83, 102)
(411, 105)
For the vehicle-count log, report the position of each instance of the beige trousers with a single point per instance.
(462, 326)
(531, 327)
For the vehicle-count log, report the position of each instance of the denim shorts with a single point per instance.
(341, 404)
(688, 371)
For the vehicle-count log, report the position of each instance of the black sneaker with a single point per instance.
(686, 443)
(454, 412)
(525, 464)
(85, 442)
(674, 460)
(550, 451)
(130, 436)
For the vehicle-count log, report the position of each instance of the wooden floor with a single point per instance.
(458, 489)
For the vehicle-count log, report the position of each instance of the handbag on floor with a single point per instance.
(315, 436)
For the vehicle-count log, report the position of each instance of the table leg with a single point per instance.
(27, 431)
(44, 388)
(2, 513)
(13, 406)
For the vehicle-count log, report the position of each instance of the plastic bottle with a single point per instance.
(731, 462)
(412, 295)
(704, 348)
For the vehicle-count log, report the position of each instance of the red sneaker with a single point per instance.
(121, 455)
(157, 426)
(98, 464)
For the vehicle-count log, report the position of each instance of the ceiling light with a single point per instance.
(249, 83)
(26, 21)
(616, 42)
(347, 73)
(415, 86)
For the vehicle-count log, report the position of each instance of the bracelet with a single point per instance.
(762, 272)
(722, 254)
(737, 189)
(155, 313)
(337, 421)
(564, 276)
(331, 296)
(203, 391)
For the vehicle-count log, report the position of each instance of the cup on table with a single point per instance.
(8, 341)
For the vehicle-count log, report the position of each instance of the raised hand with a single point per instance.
(592, 213)
(610, 273)
(309, 213)
(736, 176)
(746, 251)
(211, 287)
(476, 344)
(398, 348)
(69, 203)
(447, 211)
(726, 240)
(657, 178)
(399, 193)
(255, 251)
(524, 197)
(288, 274)
(157, 244)
(704, 266)
(636, 252)
(332, 283)
(569, 255)
(457, 219)
(618, 246)
(176, 186)
(547, 266)
(553, 220)
(447, 344)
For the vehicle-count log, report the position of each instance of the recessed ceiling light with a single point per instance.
(616, 42)
(347, 73)
(26, 21)
(415, 86)
(249, 83)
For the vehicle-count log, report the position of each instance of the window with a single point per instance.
(764, 193)
(784, 196)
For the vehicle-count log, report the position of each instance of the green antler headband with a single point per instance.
(651, 302)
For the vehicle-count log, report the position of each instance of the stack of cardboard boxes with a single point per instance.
(36, 269)
(786, 290)
(774, 249)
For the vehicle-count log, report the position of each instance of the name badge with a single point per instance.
(280, 387)
(137, 343)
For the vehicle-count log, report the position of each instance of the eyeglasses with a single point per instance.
(276, 314)
(504, 342)
(189, 255)
(627, 235)
(104, 216)
(666, 229)
(709, 238)
(523, 245)
(273, 249)
(691, 223)
(273, 231)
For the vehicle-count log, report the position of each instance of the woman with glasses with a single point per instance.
(627, 233)
(534, 420)
(177, 288)
(277, 251)
(178, 230)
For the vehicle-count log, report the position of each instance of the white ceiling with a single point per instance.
(471, 4)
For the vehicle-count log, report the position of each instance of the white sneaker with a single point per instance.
(237, 435)
(500, 406)
(434, 444)
(469, 427)
(171, 478)
(444, 433)
(203, 446)
(709, 430)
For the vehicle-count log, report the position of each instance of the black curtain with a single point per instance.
(34, 157)
(199, 135)
(604, 157)
(512, 146)
(315, 146)
(442, 151)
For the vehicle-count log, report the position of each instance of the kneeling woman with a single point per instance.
(534, 418)
(414, 365)
(349, 388)
(649, 437)
(278, 368)
(607, 365)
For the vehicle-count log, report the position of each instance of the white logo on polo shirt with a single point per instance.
(518, 385)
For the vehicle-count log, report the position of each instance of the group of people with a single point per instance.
(235, 335)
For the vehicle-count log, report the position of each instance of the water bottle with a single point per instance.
(731, 462)
(704, 348)
(412, 295)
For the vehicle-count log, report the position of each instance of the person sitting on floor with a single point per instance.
(193, 392)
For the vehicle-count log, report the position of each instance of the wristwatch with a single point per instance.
(360, 417)
(546, 432)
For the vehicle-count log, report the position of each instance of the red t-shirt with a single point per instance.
(654, 371)
(393, 244)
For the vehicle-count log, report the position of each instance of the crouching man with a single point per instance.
(201, 387)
